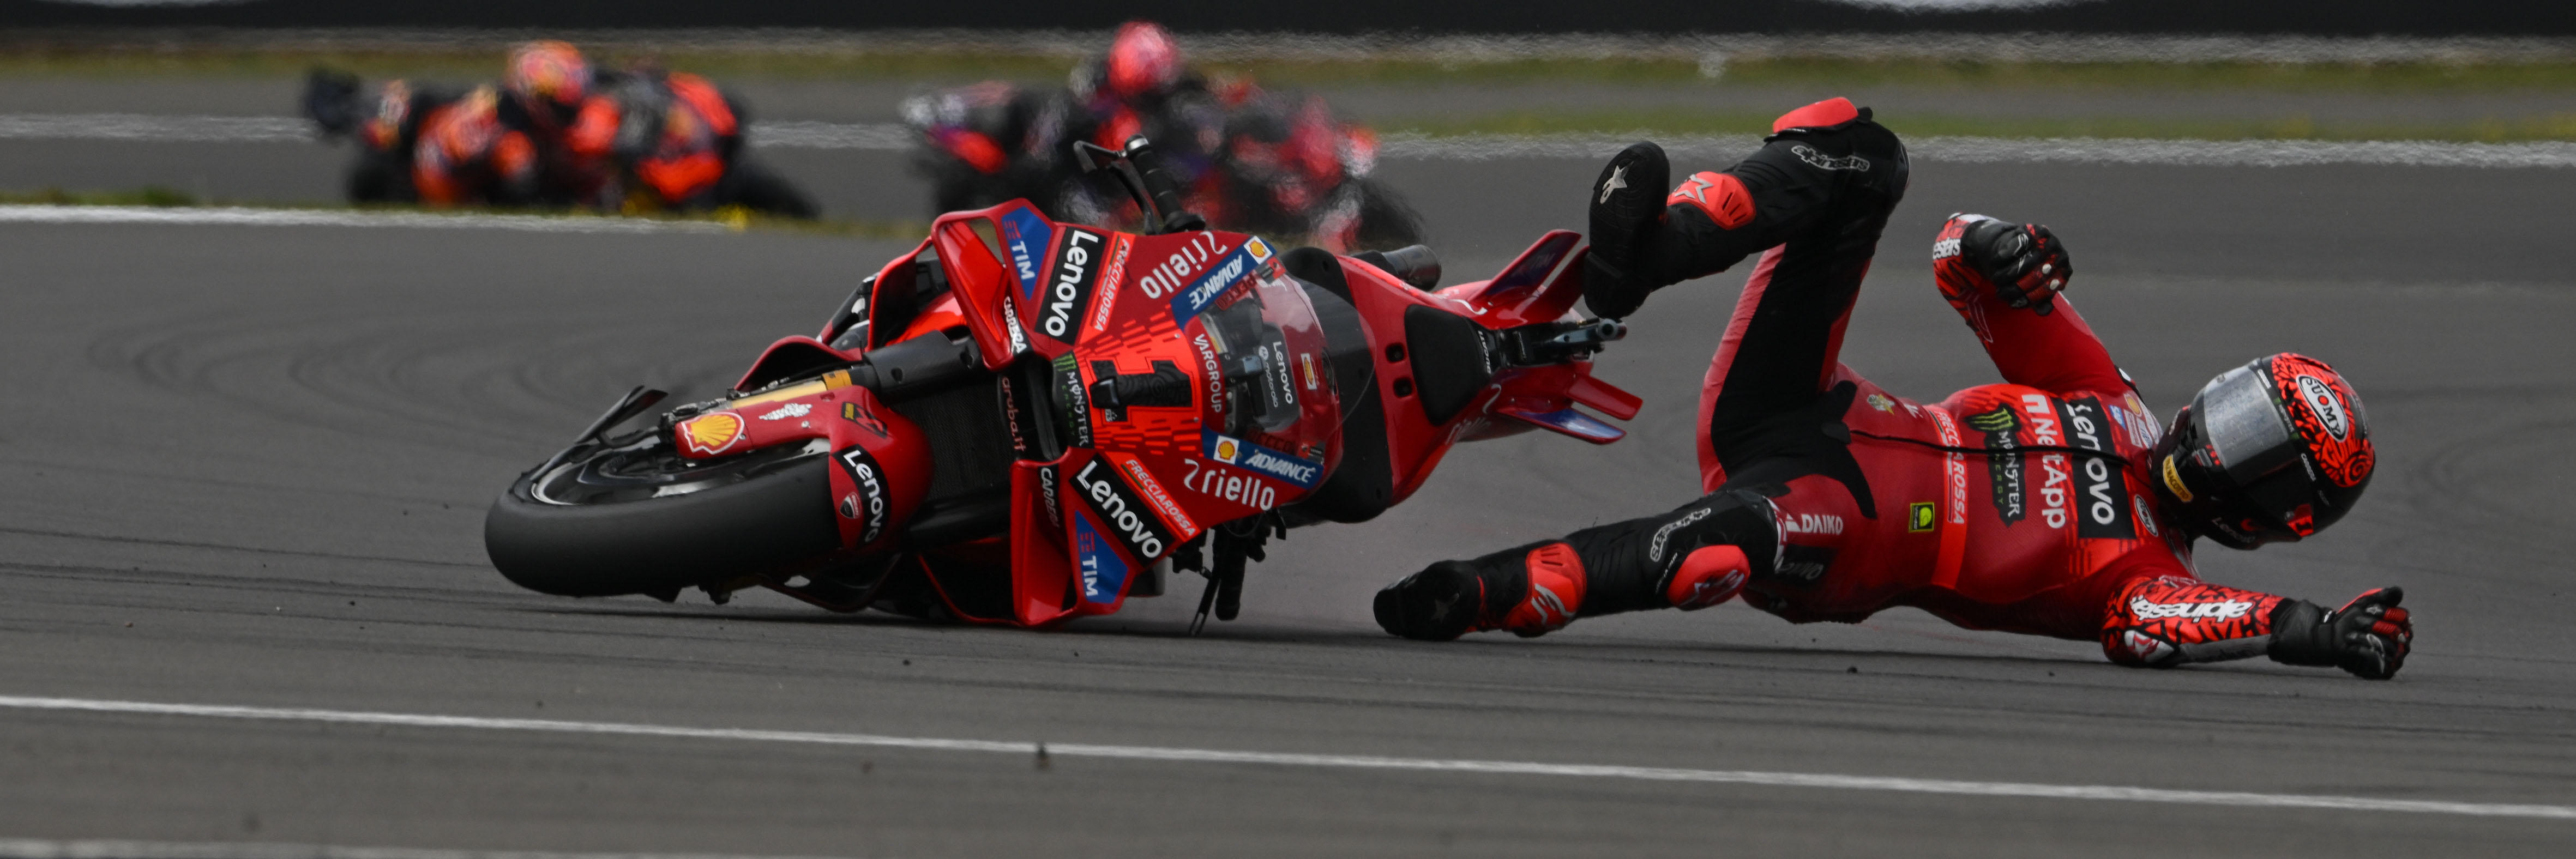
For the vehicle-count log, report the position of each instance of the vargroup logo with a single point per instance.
(1011, 322)
(790, 410)
(1077, 268)
(2329, 409)
(1255, 458)
(1028, 235)
(1920, 516)
(710, 434)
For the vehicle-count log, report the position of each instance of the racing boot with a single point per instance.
(1531, 590)
(1626, 212)
(1828, 170)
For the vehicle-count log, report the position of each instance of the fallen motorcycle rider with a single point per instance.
(2048, 505)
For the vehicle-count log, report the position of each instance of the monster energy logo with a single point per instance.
(2003, 463)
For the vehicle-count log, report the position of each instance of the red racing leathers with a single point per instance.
(2024, 506)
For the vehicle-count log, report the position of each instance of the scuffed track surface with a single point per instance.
(268, 449)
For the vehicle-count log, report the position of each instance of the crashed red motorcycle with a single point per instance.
(1023, 421)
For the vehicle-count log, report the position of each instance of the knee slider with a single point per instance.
(1707, 577)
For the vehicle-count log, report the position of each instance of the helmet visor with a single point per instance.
(2257, 452)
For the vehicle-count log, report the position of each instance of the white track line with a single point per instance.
(30, 848)
(2107, 150)
(1365, 762)
(38, 214)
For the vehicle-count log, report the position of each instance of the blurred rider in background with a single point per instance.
(2052, 504)
(1143, 85)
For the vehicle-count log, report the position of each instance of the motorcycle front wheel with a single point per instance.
(636, 518)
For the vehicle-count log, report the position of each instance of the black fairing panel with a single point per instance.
(1452, 360)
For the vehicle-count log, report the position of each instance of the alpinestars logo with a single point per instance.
(1822, 161)
(1129, 519)
(871, 506)
(1655, 547)
(2140, 608)
(1076, 270)
(1618, 179)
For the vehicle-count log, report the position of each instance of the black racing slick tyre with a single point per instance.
(638, 519)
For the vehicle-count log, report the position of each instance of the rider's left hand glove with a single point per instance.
(2368, 636)
(2025, 265)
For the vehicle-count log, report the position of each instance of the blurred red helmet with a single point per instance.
(549, 78)
(1142, 60)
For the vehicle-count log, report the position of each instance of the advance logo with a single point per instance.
(1028, 235)
(1123, 509)
(1188, 303)
(1069, 283)
(1260, 460)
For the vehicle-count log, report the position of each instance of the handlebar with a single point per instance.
(1140, 169)
(1554, 342)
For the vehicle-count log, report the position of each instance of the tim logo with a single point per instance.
(1028, 235)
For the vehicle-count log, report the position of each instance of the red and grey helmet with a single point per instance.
(2269, 452)
(1142, 60)
(549, 79)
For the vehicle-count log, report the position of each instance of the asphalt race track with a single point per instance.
(248, 466)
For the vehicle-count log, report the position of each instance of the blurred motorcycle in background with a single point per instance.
(1244, 158)
(635, 141)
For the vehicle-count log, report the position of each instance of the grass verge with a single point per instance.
(160, 197)
(933, 65)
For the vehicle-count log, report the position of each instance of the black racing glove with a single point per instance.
(2368, 636)
(2026, 263)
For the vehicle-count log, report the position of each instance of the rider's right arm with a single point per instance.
(2044, 345)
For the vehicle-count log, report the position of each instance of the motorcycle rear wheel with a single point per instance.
(636, 518)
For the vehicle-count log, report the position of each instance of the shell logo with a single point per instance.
(711, 433)
(1226, 451)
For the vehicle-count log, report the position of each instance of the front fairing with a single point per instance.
(1169, 383)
